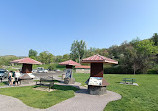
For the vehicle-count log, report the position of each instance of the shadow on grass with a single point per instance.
(60, 87)
(83, 91)
(55, 81)
(4, 83)
(64, 88)
(117, 82)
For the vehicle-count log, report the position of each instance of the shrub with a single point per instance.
(51, 67)
(154, 70)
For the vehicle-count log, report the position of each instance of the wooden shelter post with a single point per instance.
(96, 83)
(96, 70)
(27, 68)
(68, 66)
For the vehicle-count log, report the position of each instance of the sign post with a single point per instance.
(69, 72)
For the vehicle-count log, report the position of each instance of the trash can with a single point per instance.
(63, 76)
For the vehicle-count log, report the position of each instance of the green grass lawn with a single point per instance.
(134, 98)
(3, 83)
(40, 99)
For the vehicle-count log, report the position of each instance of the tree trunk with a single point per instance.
(134, 69)
(79, 59)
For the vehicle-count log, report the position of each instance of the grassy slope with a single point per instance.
(135, 98)
(40, 99)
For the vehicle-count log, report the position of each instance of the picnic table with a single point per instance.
(46, 82)
(129, 80)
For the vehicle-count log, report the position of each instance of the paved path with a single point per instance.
(81, 102)
(85, 102)
(8, 103)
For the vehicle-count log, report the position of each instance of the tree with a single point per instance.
(93, 51)
(131, 58)
(114, 51)
(78, 50)
(58, 58)
(65, 57)
(146, 50)
(46, 57)
(155, 39)
(137, 55)
(89, 52)
(5, 60)
(33, 54)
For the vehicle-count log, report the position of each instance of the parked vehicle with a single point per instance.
(45, 71)
(34, 71)
(41, 70)
(58, 70)
(3, 73)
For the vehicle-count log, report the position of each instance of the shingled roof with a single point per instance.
(99, 59)
(26, 61)
(70, 62)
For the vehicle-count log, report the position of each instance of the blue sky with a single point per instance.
(52, 25)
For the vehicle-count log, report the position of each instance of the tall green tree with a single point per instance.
(46, 57)
(114, 52)
(146, 51)
(65, 57)
(93, 51)
(131, 59)
(77, 50)
(33, 53)
(137, 55)
(155, 39)
(58, 58)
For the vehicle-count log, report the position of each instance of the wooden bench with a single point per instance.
(129, 80)
(46, 82)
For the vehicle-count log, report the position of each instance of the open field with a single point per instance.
(40, 99)
(134, 98)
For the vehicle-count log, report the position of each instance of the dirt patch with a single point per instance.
(44, 89)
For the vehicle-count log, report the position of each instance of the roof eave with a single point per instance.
(109, 62)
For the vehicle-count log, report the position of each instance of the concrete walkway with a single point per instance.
(8, 103)
(85, 102)
(81, 102)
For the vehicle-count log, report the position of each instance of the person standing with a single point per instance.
(10, 78)
(13, 77)
(17, 73)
